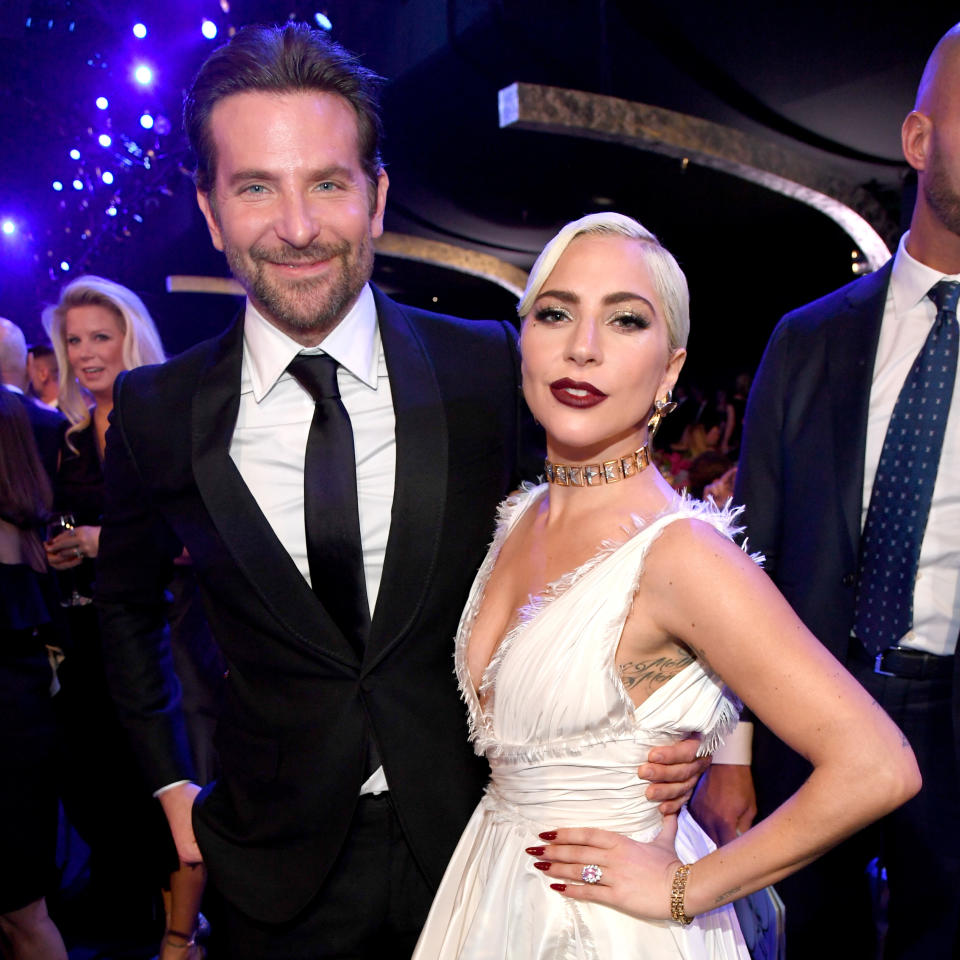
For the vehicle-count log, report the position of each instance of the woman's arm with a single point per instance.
(702, 590)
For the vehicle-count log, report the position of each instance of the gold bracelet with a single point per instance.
(677, 911)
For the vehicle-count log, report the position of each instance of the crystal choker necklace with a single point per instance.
(596, 474)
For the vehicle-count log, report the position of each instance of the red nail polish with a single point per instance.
(535, 851)
(542, 864)
(549, 835)
(559, 887)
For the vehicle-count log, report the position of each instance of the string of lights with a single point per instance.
(123, 152)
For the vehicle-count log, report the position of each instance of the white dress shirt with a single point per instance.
(270, 437)
(907, 320)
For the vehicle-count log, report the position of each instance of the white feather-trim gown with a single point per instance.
(564, 741)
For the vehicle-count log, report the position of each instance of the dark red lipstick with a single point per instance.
(576, 393)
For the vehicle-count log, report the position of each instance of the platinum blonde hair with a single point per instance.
(665, 273)
(141, 341)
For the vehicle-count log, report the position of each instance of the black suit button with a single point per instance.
(848, 579)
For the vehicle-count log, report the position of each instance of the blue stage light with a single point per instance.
(64, 265)
(146, 121)
(77, 184)
(74, 154)
(323, 21)
(111, 211)
(57, 185)
(107, 177)
(139, 30)
(143, 75)
(102, 103)
(105, 139)
(209, 29)
(8, 227)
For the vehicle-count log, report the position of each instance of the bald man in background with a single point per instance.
(48, 425)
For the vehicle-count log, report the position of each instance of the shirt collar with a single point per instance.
(353, 343)
(911, 280)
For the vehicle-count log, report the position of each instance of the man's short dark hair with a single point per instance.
(289, 59)
(40, 350)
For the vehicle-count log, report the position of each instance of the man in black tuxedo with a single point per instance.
(816, 430)
(48, 425)
(346, 772)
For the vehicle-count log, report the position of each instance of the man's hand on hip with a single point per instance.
(725, 802)
(673, 771)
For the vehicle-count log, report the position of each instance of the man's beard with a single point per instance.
(940, 193)
(313, 305)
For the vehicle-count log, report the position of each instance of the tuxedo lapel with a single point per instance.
(851, 352)
(238, 519)
(420, 490)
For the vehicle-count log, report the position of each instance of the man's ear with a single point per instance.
(208, 207)
(915, 137)
(376, 219)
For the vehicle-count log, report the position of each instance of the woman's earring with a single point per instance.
(660, 409)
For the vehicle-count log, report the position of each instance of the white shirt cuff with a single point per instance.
(737, 748)
(170, 786)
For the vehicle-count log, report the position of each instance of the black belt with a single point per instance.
(905, 663)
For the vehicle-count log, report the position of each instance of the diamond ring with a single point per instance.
(591, 873)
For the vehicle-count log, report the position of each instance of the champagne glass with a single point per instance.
(58, 524)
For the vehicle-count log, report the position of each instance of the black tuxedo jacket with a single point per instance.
(802, 464)
(299, 699)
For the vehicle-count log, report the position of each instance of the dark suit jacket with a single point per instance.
(48, 430)
(299, 700)
(800, 476)
(801, 465)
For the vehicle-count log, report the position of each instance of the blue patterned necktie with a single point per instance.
(903, 486)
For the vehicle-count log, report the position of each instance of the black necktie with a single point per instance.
(330, 512)
(903, 486)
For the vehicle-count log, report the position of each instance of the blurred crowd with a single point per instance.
(698, 446)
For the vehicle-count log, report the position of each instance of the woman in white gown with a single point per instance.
(611, 616)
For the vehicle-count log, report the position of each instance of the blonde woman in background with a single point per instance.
(99, 329)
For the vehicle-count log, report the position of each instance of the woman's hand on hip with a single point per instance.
(635, 878)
